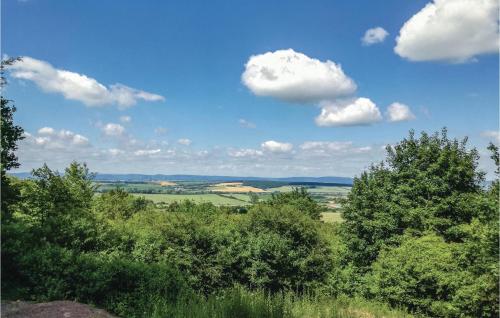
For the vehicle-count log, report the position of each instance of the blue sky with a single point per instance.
(181, 68)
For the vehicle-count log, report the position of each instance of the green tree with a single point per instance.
(298, 198)
(59, 206)
(254, 197)
(284, 249)
(424, 185)
(10, 135)
(119, 204)
(421, 274)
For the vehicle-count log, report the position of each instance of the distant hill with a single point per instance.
(185, 177)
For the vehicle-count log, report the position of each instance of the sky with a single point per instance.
(247, 88)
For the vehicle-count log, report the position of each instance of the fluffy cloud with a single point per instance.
(295, 77)
(46, 131)
(113, 130)
(49, 138)
(491, 134)
(276, 147)
(184, 141)
(399, 112)
(361, 111)
(146, 152)
(115, 151)
(326, 145)
(241, 153)
(375, 35)
(331, 148)
(454, 30)
(246, 124)
(125, 119)
(77, 86)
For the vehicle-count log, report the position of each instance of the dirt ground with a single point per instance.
(53, 309)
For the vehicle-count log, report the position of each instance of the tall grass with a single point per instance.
(241, 303)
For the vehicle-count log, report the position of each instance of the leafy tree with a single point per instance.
(119, 204)
(421, 274)
(424, 185)
(298, 198)
(284, 249)
(10, 135)
(59, 206)
(254, 197)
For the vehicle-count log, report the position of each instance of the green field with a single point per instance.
(318, 189)
(199, 191)
(227, 199)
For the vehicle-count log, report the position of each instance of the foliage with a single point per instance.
(58, 207)
(421, 274)
(240, 302)
(423, 186)
(122, 286)
(11, 134)
(420, 233)
(300, 199)
(119, 204)
(284, 249)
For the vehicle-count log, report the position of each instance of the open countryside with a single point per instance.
(250, 159)
(233, 194)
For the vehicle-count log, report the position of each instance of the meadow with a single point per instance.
(225, 193)
(216, 199)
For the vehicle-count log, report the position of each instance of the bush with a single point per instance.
(422, 274)
(298, 198)
(284, 249)
(121, 286)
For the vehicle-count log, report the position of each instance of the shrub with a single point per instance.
(422, 274)
(124, 287)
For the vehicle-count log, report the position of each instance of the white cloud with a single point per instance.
(80, 140)
(46, 131)
(184, 141)
(241, 153)
(125, 119)
(49, 138)
(399, 112)
(276, 147)
(361, 111)
(374, 35)
(491, 134)
(453, 30)
(77, 86)
(295, 77)
(115, 151)
(147, 152)
(331, 148)
(113, 130)
(326, 145)
(246, 124)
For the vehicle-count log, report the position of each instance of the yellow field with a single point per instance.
(228, 184)
(234, 187)
(166, 183)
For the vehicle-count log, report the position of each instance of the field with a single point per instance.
(229, 193)
(229, 200)
(234, 187)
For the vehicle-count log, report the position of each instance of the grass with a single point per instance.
(239, 302)
(331, 217)
(198, 198)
